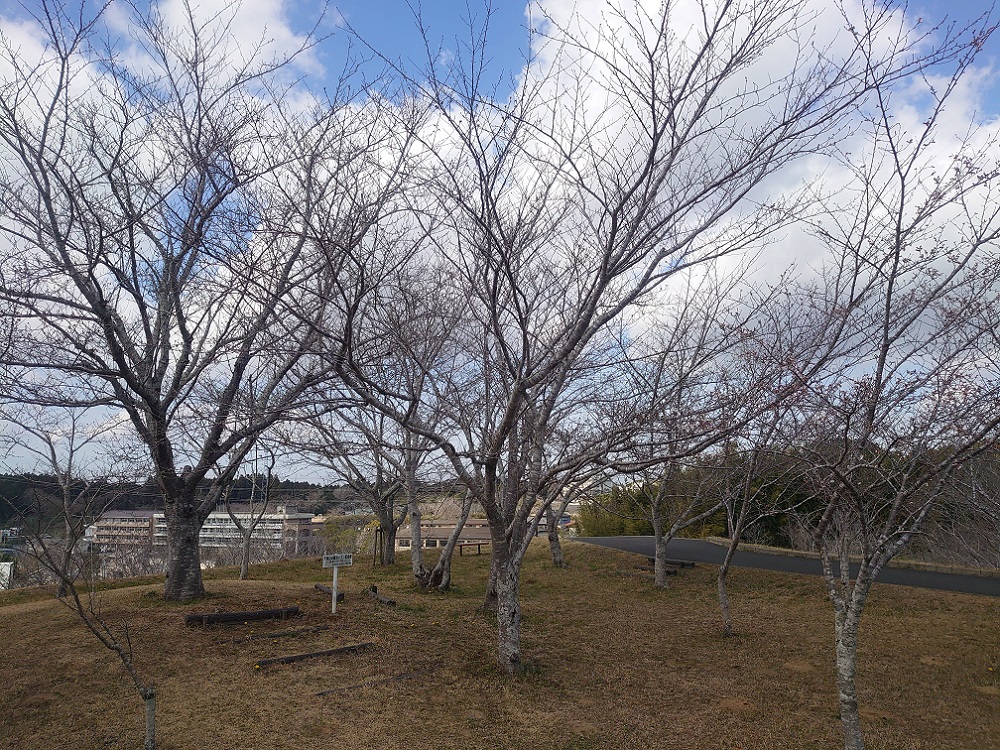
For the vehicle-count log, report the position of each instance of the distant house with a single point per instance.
(441, 517)
(7, 536)
(435, 533)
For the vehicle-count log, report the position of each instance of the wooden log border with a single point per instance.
(213, 618)
(356, 648)
(373, 592)
(329, 592)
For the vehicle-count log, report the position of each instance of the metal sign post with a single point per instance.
(335, 561)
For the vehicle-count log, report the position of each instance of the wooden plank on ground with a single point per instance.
(354, 649)
(329, 592)
(213, 618)
(373, 592)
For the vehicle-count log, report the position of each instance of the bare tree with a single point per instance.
(63, 442)
(371, 454)
(758, 484)
(119, 641)
(60, 443)
(157, 214)
(913, 393)
(685, 389)
(247, 525)
(964, 529)
(557, 220)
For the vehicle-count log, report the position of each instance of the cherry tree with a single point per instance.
(157, 216)
(633, 147)
(909, 395)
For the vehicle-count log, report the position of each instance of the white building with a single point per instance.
(126, 527)
(285, 528)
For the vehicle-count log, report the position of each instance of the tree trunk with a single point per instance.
(63, 586)
(149, 695)
(440, 575)
(67, 554)
(416, 542)
(660, 543)
(555, 548)
(491, 600)
(847, 653)
(660, 549)
(245, 555)
(184, 561)
(388, 542)
(660, 562)
(508, 613)
(727, 618)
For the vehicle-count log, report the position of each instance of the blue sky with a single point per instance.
(389, 25)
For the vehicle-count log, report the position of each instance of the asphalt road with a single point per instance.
(700, 551)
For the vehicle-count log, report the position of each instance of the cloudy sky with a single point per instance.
(391, 28)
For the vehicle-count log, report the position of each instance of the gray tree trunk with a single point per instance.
(847, 654)
(416, 544)
(508, 613)
(440, 575)
(184, 563)
(735, 534)
(659, 547)
(149, 695)
(727, 618)
(555, 548)
(67, 552)
(660, 561)
(245, 555)
(387, 524)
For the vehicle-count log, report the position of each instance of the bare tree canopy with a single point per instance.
(630, 151)
(156, 209)
(908, 394)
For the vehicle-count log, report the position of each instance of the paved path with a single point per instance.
(701, 551)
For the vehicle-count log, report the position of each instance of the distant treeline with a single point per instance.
(29, 494)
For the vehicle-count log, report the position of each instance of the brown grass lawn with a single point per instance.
(615, 664)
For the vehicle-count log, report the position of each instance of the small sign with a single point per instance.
(340, 560)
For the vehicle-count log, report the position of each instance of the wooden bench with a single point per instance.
(477, 545)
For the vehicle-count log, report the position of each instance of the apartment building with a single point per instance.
(283, 528)
(124, 527)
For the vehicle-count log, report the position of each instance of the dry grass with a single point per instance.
(615, 664)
